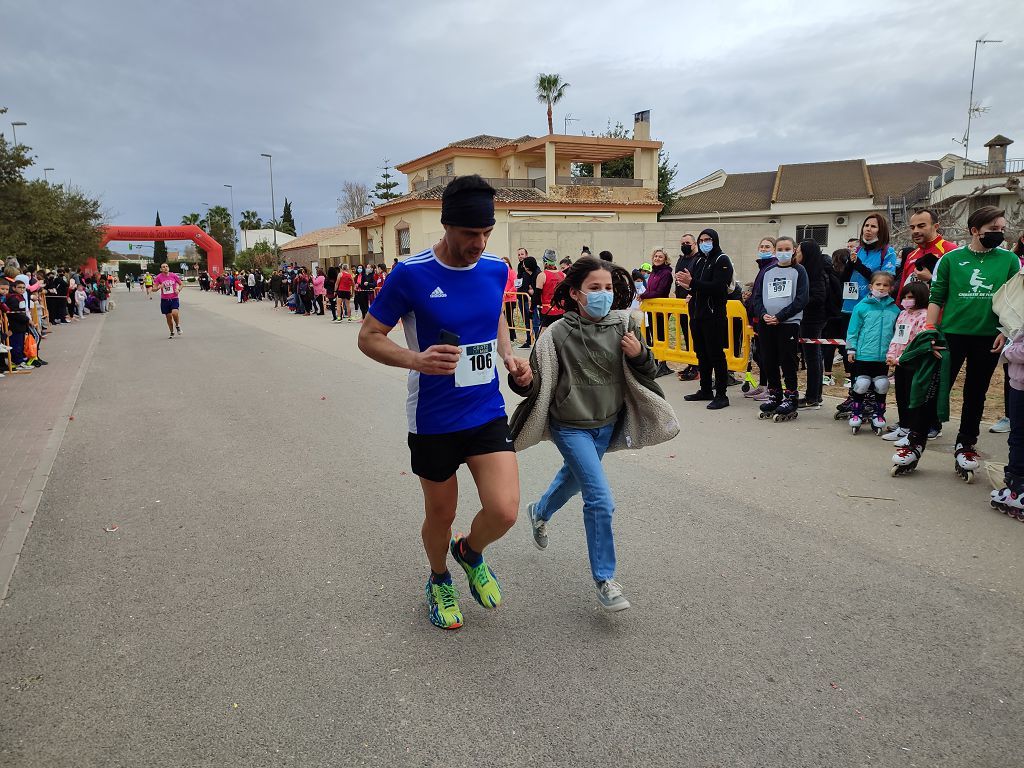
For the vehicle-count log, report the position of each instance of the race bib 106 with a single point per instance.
(477, 365)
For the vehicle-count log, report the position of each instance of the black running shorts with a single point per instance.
(438, 457)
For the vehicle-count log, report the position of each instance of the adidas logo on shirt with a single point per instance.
(438, 293)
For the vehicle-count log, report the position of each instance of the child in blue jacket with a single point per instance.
(872, 324)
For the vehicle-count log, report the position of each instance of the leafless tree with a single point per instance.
(353, 202)
(952, 226)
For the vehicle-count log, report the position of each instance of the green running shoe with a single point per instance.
(483, 584)
(443, 600)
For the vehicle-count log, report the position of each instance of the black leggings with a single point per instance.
(510, 311)
(778, 350)
(976, 352)
(318, 303)
(709, 337)
(363, 303)
(812, 359)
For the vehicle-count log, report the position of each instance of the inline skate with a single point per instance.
(787, 410)
(905, 460)
(856, 419)
(965, 462)
(878, 425)
(769, 406)
(1010, 503)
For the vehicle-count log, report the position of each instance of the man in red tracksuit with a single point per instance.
(931, 246)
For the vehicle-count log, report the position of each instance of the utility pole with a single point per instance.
(273, 205)
(232, 210)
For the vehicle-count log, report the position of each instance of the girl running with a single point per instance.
(593, 390)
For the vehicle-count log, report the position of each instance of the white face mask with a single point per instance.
(784, 257)
(879, 294)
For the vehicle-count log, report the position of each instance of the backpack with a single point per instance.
(1008, 304)
(303, 287)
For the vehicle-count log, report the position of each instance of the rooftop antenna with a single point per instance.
(972, 108)
(570, 119)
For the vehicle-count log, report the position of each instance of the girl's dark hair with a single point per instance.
(623, 289)
(840, 258)
(531, 264)
(918, 291)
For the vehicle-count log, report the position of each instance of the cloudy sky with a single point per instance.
(155, 106)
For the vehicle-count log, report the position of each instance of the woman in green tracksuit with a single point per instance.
(961, 307)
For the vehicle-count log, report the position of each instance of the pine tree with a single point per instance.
(384, 189)
(287, 222)
(159, 247)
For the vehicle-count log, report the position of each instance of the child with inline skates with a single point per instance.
(872, 325)
(913, 299)
(779, 308)
(1010, 498)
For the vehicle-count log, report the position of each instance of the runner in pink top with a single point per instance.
(168, 284)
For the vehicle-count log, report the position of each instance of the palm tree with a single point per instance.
(550, 89)
(250, 220)
(192, 218)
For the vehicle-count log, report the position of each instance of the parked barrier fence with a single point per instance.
(669, 324)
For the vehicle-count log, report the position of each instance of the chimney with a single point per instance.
(997, 153)
(642, 126)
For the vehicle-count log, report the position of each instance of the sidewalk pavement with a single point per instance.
(33, 417)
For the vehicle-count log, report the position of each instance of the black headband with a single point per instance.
(471, 208)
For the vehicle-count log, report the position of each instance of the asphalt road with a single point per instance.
(261, 602)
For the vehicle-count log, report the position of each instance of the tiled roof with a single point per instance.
(836, 180)
(741, 192)
(504, 195)
(483, 141)
(806, 182)
(896, 178)
(369, 218)
(314, 237)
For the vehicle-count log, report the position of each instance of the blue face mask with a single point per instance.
(599, 303)
(764, 256)
(706, 247)
(784, 257)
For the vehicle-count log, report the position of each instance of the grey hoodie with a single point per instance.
(591, 382)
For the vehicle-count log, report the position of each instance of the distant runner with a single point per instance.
(147, 280)
(449, 298)
(169, 284)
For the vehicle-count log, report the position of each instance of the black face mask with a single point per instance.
(991, 240)
(686, 248)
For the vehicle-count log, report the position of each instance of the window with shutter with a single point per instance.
(816, 232)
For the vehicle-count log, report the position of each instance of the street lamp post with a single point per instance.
(273, 205)
(232, 211)
(44, 174)
(14, 127)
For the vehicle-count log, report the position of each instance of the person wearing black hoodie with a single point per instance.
(687, 254)
(709, 281)
(815, 314)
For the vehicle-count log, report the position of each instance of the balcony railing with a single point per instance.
(994, 169)
(444, 181)
(589, 181)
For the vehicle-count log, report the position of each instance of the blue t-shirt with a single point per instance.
(430, 297)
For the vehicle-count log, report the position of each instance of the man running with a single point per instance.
(449, 298)
(169, 284)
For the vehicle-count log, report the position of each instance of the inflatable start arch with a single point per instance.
(214, 252)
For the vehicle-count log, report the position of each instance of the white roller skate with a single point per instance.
(878, 425)
(1009, 502)
(855, 422)
(965, 462)
(905, 460)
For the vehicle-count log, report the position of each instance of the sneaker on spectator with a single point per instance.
(755, 392)
(897, 434)
(828, 381)
(846, 383)
(1000, 427)
(934, 433)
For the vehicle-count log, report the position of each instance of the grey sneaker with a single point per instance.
(1001, 426)
(609, 594)
(539, 528)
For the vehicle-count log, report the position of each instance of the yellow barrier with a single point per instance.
(519, 322)
(663, 313)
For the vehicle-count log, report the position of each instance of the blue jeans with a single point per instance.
(582, 450)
